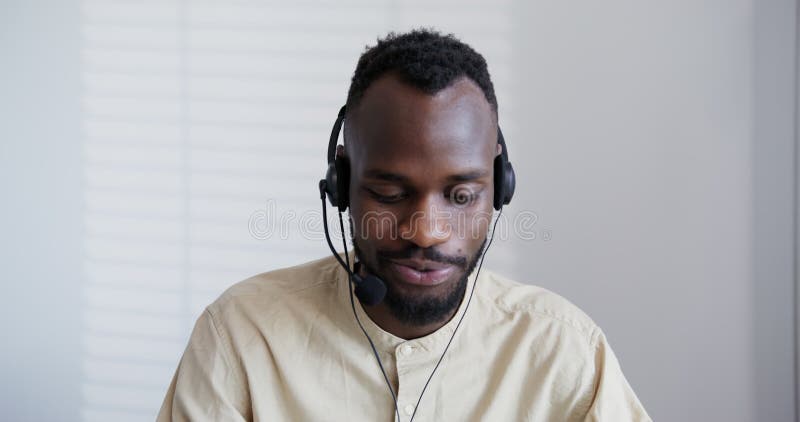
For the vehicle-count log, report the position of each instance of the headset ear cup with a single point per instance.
(331, 184)
(505, 181)
(499, 182)
(342, 165)
(509, 183)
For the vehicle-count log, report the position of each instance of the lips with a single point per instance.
(421, 272)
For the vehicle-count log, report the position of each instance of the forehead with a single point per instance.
(396, 127)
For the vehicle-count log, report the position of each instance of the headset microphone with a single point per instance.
(370, 290)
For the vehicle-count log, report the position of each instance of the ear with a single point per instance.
(498, 150)
(339, 151)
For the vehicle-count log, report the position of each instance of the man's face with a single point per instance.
(421, 191)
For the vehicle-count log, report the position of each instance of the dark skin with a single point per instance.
(410, 152)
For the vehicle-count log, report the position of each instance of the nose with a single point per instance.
(426, 225)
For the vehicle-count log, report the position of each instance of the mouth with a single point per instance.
(422, 272)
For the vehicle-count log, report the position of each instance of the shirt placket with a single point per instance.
(412, 362)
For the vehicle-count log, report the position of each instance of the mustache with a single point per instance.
(429, 254)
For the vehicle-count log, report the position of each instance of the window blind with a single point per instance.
(201, 118)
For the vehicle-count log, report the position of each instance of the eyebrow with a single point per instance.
(468, 176)
(399, 178)
(385, 175)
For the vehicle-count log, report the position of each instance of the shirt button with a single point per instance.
(409, 409)
(406, 350)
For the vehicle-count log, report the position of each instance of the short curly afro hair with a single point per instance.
(424, 59)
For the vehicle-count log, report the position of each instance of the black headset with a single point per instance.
(370, 289)
(337, 178)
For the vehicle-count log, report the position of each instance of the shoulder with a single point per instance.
(518, 300)
(287, 286)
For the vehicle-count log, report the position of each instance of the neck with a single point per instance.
(382, 316)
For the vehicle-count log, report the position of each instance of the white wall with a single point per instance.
(40, 217)
(775, 180)
(653, 140)
(659, 141)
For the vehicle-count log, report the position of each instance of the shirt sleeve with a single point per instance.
(614, 399)
(208, 383)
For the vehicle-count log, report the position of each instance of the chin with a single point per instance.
(423, 305)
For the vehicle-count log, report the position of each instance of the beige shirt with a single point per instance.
(285, 346)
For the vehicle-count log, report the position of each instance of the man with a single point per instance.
(420, 168)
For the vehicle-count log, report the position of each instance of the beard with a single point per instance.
(422, 310)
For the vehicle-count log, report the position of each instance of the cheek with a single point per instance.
(470, 227)
(375, 225)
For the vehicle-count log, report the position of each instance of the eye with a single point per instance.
(463, 195)
(386, 196)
